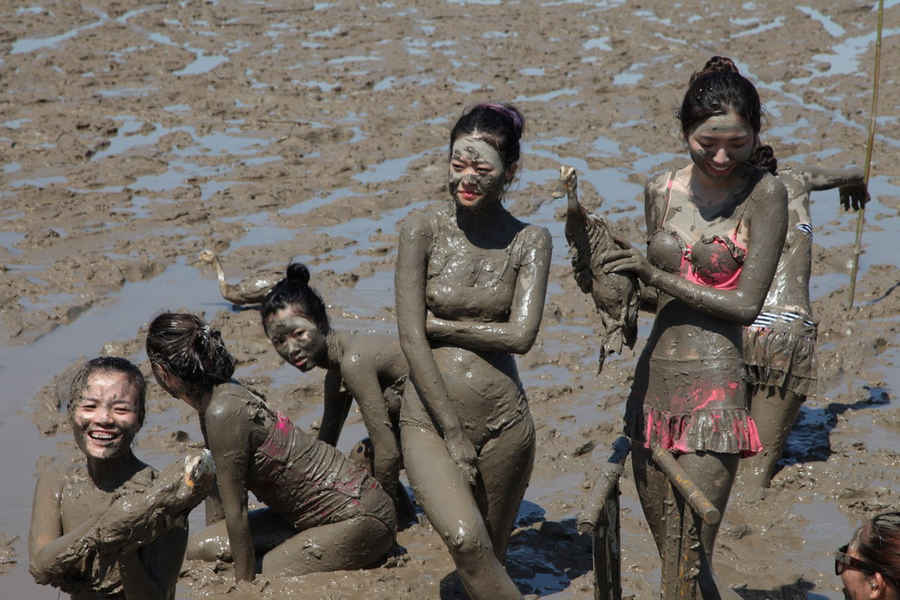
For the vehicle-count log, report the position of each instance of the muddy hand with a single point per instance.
(628, 259)
(854, 195)
(463, 454)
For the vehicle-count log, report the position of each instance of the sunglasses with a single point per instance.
(843, 561)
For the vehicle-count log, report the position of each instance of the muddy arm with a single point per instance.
(409, 282)
(228, 436)
(335, 409)
(46, 541)
(819, 179)
(768, 225)
(518, 334)
(150, 573)
(361, 378)
(852, 183)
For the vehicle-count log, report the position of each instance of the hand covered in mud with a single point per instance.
(462, 451)
(629, 260)
(853, 195)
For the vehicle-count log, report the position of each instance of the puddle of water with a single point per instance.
(601, 43)
(16, 123)
(45, 302)
(532, 71)
(126, 92)
(27, 45)
(313, 203)
(844, 57)
(204, 63)
(774, 24)
(8, 240)
(832, 28)
(261, 231)
(465, 87)
(38, 182)
(390, 169)
(11, 168)
(547, 96)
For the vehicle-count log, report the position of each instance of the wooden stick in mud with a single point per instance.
(861, 216)
(601, 519)
(686, 487)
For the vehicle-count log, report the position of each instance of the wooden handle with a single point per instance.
(686, 487)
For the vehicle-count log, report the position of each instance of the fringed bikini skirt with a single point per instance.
(780, 351)
(691, 406)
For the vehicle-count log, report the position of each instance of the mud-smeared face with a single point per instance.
(720, 144)
(477, 175)
(296, 339)
(105, 418)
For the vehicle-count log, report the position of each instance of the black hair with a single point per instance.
(294, 291)
(500, 124)
(189, 349)
(716, 88)
(112, 364)
(878, 543)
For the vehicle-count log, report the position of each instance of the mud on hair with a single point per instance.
(714, 90)
(294, 291)
(189, 349)
(501, 125)
(109, 364)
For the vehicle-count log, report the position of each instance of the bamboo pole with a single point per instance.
(861, 216)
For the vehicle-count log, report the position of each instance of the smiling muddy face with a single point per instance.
(296, 338)
(720, 144)
(477, 176)
(105, 419)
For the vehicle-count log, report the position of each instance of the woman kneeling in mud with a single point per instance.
(471, 281)
(371, 367)
(716, 228)
(324, 512)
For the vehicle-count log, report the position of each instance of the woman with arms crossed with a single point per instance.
(470, 285)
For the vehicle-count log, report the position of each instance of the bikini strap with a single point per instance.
(665, 213)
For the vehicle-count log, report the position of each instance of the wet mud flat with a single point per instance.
(135, 135)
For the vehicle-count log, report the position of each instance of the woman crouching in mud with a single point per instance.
(371, 367)
(716, 228)
(324, 512)
(470, 282)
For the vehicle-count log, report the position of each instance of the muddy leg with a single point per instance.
(653, 488)
(504, 465)
(448, 501)
(355, 543)
(267, 529)
(774, 411)
(688, 546)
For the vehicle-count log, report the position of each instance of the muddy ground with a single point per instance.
(134, 135)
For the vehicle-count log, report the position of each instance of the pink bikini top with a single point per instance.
(713, 261)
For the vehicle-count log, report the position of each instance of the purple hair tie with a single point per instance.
(516, 118)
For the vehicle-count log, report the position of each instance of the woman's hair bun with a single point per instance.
(716, 64)
(298, 273)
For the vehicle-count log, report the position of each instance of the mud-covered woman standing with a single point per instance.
(716, 228)
(780, 345)
(323, 513)
(470, 285)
